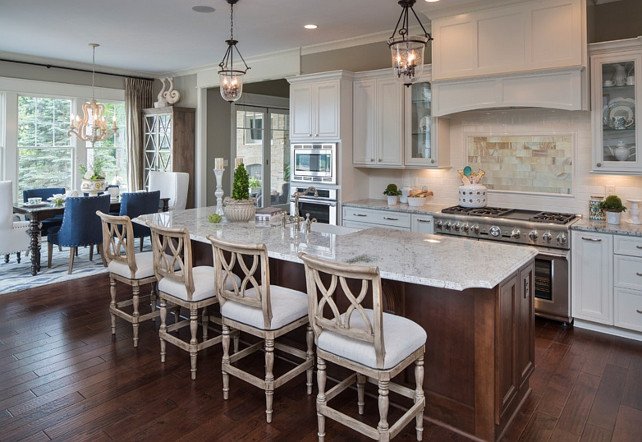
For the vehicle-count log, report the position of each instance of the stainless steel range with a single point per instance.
(548, 232)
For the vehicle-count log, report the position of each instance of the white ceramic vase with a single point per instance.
(392, 200)
(613, 217)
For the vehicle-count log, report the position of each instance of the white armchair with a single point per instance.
(172, 185)
(15, 238)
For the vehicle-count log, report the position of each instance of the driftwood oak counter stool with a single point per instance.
(376, 346)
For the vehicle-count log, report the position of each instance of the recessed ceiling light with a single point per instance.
(432, 1)
(310, 26)
(205, 9)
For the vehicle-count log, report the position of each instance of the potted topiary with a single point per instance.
(240, 207)
(93, 179)
(392, 192)
(613, 207)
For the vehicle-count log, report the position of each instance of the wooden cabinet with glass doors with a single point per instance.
(616, 77)
(168, 143)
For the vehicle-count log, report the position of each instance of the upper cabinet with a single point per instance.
(392, 124)
(318, 107)
(615, 93)
(525, 54)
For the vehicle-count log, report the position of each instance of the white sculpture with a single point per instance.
(167, 97)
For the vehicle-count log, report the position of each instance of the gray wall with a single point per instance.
(615, 20)
(218, 141)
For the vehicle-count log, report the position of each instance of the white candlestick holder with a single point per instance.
(219, 191)
(635, 212)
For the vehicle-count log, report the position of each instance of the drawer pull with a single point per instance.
(591, 239)
(638, 273)
(638, 310)
(638, 247)
(424, 221)
(359, 214)
(390, 219)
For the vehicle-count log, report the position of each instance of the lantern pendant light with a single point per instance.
(92, 126)
(407, 50)
(231, 76)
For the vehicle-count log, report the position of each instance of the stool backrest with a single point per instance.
(118, 240)
(331, 285)
(250, 263)
(172, 249)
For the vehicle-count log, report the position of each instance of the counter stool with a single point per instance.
(375, 345)
(185, 286)
(128, 267)
(259, 308)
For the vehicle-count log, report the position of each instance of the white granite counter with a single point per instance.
(624, 228)
(437, 261)
(383, 205)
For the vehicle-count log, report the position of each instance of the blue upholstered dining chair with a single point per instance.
(48, 224)
(134, 204)
(80, 226)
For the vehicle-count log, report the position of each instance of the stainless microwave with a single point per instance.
(314, 163)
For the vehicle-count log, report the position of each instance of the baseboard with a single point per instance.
(608, 329)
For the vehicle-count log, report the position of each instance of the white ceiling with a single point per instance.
(162, 36)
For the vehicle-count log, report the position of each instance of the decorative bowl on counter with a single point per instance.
(472, 195)
(416, 201)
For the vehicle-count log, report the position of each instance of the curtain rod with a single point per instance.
(49, 66)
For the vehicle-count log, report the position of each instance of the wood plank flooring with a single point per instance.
(63, 377)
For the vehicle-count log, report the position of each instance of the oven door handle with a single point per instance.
(317, 201)
(547, 253)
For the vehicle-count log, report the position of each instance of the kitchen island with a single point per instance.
(475, 301)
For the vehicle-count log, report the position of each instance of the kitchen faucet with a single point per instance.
(297, 216)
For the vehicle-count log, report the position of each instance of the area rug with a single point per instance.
(15, 277)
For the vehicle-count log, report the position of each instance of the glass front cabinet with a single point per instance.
(427, 138)
(616, 79)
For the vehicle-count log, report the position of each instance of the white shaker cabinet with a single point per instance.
(377, 121)
(627, 270)
(616, 73)
(592, 276)
(365, 218)
(319, 105)
(422, 223)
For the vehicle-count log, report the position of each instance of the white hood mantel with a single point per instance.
(564, 89)
(517, 54)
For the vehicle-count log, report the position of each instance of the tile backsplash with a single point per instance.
(537, 164)
(516, 123)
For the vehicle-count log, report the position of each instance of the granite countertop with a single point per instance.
(624, 228)
(431, 260)
(383, 205)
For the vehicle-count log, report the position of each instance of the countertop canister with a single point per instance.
(595, 214)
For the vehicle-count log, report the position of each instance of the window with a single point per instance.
(45, 153)
(252, 126)
(112, 151)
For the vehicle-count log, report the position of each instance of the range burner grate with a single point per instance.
(552, 217)
(480, 211)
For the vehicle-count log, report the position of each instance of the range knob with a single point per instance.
(495, 231)
(448, 225)
(515, 233)
(547, 237)
(475, 229)
(456, 227)
(561, 239)
(465, 228)
(533, 235)
(440, 224)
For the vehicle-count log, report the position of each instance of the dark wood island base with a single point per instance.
(480, 349)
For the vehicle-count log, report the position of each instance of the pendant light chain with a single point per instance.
(231, 78)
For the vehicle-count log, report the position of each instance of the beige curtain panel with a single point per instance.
(138, 96)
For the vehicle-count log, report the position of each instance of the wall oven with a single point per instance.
(322, 207)
(315, 163)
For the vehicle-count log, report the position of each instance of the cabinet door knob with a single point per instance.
(432, 161)
(379, 160)
(599, 164)
(591, 239)
(371, 160)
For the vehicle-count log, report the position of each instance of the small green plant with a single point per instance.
(93, 171)
(214, 218)
(255, 183)
(612, 203)
(241, 187)
(392, 190)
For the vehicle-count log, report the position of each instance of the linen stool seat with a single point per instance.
(183, 285)
(376, 346)
(252, 305)
(128, 267)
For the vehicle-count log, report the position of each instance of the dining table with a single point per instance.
(35, 213)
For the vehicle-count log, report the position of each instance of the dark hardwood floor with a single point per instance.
(63, 376)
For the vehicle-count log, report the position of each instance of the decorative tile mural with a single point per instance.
(535, 164)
